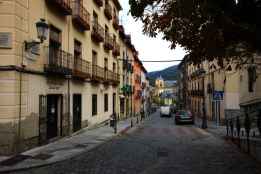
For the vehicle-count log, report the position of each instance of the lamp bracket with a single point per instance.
(30, 44)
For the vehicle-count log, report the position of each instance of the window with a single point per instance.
(95, 17)
(106, 63)
(105, 102)
(122, 105)
(94, 57)
(114, 67)
(54, 45)
(106, 30)
(94, 104)
(77, 49)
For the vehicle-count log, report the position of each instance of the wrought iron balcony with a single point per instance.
(114, 77)
(58, 62)
(106, 76)
(125, 64)
(108, 11)
(108, 42)
(97, 32)
(63, 6)
(97, 73)
(81, 17)
(116, 49)
(115, 22)
(82, 68)
(99, 2)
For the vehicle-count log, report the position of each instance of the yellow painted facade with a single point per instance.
(19, 114)
(207, 79)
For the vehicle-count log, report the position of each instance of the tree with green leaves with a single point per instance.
(207, 29)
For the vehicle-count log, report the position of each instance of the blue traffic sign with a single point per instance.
(218, 95)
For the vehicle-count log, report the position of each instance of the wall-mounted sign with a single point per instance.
(218, 95)
(5, 40)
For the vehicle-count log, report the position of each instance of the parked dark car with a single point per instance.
(183, 116)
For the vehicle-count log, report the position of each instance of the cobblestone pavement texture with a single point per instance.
(158, 146)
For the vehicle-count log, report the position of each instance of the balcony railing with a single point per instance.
(116, 49)
(114, 77)
(81, 17)
(108, 11)
(97, 32)
(63, 6)
(108, 42)
(82, 68)
(115, 22)
(97, 73)
(99, 2)
(58, 62)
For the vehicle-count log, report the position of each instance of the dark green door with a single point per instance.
(52, 116)
(77, 112)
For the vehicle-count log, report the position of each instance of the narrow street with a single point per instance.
(158, 146)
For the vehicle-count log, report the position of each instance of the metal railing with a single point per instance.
(97, 72)
(82, 68)
(116, 49)
(97, 32)
(58, 61)
(63, 5)
(115, 22)
(113, 77)
(244, 128)
(108, 42)
(80, 14)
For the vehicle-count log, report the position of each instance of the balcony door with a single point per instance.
(77, 55)
(105, 68)
(54, 46)
(94, 63)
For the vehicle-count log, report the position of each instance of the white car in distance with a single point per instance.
(165, 111)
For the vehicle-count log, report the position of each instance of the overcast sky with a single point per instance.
(148, 48)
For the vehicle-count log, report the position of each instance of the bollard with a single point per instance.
(238, 127)
(247, 128)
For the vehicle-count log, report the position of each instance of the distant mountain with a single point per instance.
(170, 73)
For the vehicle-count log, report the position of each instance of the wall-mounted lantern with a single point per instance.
(42, 34)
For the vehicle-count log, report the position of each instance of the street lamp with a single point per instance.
(42, 34)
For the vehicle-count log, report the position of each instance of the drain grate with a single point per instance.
(14, 160)
(42, 156)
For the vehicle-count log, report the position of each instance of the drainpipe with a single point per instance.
(69, 101)
(20, 101)
(68, 84)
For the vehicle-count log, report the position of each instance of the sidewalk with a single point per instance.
(213, 128)
(64, 148)
(221, 131)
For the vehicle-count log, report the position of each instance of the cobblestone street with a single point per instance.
(158, 146)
